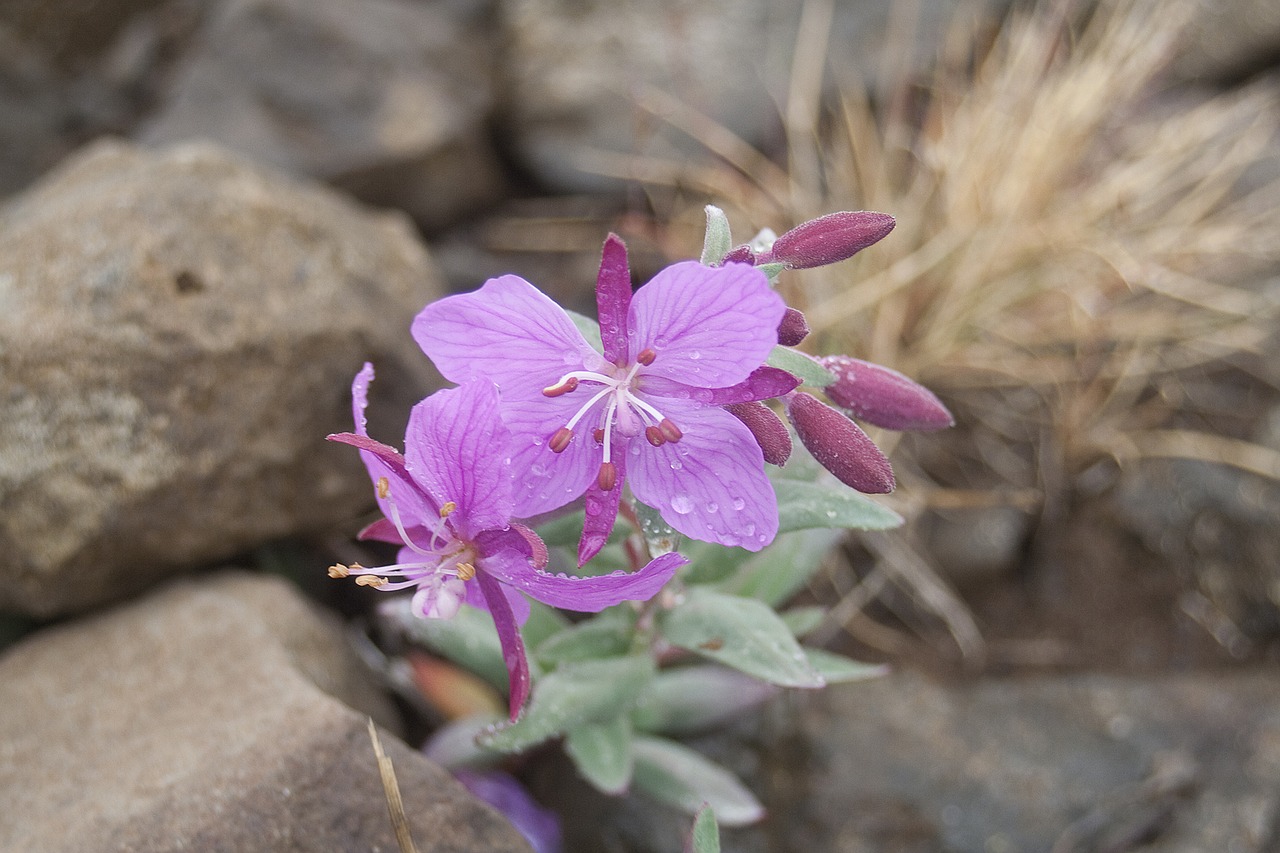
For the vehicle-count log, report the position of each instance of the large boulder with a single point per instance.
(178, 334)
(211, 716)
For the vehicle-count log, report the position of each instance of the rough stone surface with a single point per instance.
(1170, 764)
(387, 99)
(207, 717)
(178, 332)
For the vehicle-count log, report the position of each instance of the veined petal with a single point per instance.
(507, 331)
(455, 446)
(590, 594)
(710, 485)
(544, 480)
(613, 298)
(602, 505)
(764, 383)
(710, 327)
(518, 603)
(509, 638)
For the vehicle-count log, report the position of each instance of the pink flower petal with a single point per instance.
(507, 331)
(709, 326)
(613, 298)
(711, 484)
(455, 446)
(587, 594)
(602, 506)
(764, 383)
(509, 638)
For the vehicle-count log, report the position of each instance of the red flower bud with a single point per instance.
(884, 397)
(793, 329)
(840, 445)
(769, 431)
(830, 239)
(740, 255)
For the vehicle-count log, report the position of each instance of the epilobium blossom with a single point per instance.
(447, 501)
(646, 410)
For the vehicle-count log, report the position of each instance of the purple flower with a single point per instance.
(539, 825)
(448, 503)
(647, 410)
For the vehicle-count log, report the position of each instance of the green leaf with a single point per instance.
(706, 834)
(742, 633)
(468, 639)
(454, 744)
(589, 328)
(562, 532)
(606, 635)
(781, 570)
(574, 695)
(658, 535)
(543, 622)
(803, 506)
(801, 366)
(698, 698)
(772, 271)
(709, 563)
(838, 669)
(802, 620)
(602, 754)
(678, 776)
(718, 241)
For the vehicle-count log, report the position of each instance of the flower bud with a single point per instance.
(884, 397)
(830, 239)
(740, 255)
(769, 431)
(793, 329)
(840, 445)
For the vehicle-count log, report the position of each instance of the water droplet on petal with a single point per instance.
(751, 530)
(681, 504)
(739, 503)
(713, 507)
(695, 355)
(676, 466)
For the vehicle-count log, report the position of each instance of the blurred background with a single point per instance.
(1084, 270)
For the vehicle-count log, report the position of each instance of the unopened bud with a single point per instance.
(840, 445)
(793, 329)
(884, 397)
(767, 428)
(830, 239)
(740, 255)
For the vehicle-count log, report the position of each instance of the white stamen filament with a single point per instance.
(624, 404)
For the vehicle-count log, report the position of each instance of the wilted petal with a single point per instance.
(710, 327)
(455, 446)
(831, 238)
(884, 397)
(507, 331)
(587, 594)
(840, 445)
(767, 428)
(710, 485)
(613, 298)
(509, 638)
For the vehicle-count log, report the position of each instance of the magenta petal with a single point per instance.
(455, 446)
(613, 298)
(383, 461)
(764, 383)
(589, 594)
(709, 326)
(507, 331)
(602, 506)
(518, 603)
(543, 480)
(509, 638)
(710, 485)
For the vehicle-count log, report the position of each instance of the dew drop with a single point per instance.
(676, 466)
(695, 355)
(739, 503)
(538, 470)
(681, 504)
(751, 530)
(713, 507)
(593, 508)
(537, 442)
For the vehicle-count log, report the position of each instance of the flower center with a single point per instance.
(619, 406)
(445, 561)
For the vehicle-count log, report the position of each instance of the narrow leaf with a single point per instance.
(718, 241)
(838, 669)
(802, 620)
(803, 506)
(678, 776)
(602, 753)
(781, 570)
(576, 694)
(606, 635)
(801, 366)
(590, 329)
(698, 698)
(742, 633)
(706, 834)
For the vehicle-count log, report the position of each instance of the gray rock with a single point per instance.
(1178, 764)
(210, 716)
(387, 99)
(178, 332)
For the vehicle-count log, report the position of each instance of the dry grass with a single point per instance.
(1076, 243)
